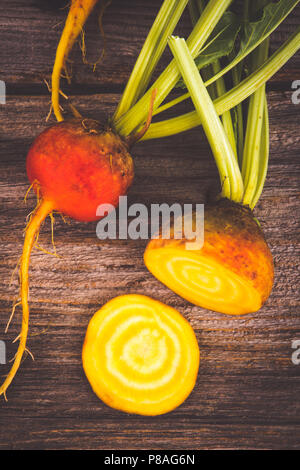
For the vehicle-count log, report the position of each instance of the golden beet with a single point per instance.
(233, 273)
(140, 356)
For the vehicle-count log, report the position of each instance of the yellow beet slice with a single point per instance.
(232, 273)
(140, 355)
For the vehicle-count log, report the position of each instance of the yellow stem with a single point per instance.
(41, 213)
(78, 14)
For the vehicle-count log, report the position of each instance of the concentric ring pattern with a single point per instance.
(140, 355)
(202, 280)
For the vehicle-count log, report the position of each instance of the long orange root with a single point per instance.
(44, 208)
(78, 14)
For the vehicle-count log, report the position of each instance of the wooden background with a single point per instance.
(247, 392)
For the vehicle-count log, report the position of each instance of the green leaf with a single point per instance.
(255, 32)
(219, 44)
(256, 7)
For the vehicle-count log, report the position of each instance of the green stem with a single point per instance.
(168, 79)
(253, 139)
(233, 97)
(194, 11)
(246, 10)
(236, 78)
(252, 143)
(232, 64)
(196, 8)
(230, 176)
(263, 158)
(218, 88)
(257, 118)
(226, 117)
(155, 44)
(173, 102)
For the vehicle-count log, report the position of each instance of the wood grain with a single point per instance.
(247, 392)
(31, 31)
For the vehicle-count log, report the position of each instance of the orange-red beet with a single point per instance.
(78, 166)
(74, 166)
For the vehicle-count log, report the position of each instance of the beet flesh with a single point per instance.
(232, 273)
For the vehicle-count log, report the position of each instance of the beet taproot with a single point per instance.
(74, 166)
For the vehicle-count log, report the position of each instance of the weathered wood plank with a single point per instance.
(247, 389)
(247, 392)
(30, 32)
(130, 433)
